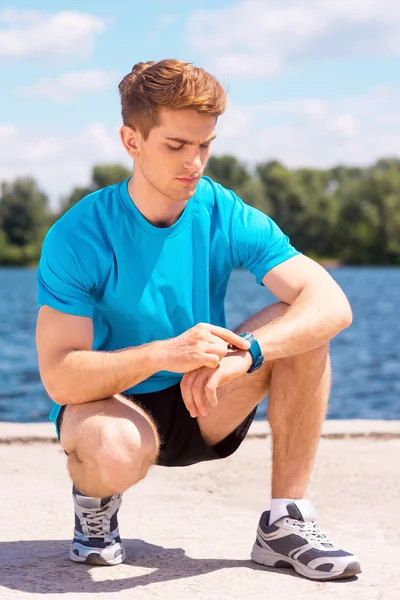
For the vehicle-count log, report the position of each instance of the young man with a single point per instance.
(132, 340)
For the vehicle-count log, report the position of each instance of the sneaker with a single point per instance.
(295, 541)
(96, 536)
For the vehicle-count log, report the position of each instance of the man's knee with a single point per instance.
(315, 359)
(110, 454)
(263, 317)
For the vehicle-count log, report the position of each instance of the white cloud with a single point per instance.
(107, 145)
(344, 125)
(42, 149)
(275, 32)
(312, 132)
(59, 161)
(68, 85)
(161, 25)
(6, 129)
(237, 64)
(31, 34)
(13, 16)
(167, 20)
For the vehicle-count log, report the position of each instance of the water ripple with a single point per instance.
(365, 357)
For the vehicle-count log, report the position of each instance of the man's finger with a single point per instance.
(211, 393)
(211, 387)
(187, 395)
(219, 347)
(211, 361)
(230, 337)
(199, 397)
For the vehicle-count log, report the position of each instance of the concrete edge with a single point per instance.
(27, 433)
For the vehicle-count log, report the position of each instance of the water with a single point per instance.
(365, 357)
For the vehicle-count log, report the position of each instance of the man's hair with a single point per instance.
(168, 84)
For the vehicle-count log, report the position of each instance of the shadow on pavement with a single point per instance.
(43, 566)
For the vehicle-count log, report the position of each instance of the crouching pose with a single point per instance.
(132, 340)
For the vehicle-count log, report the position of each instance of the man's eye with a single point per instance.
(205, 145)
(175, 148)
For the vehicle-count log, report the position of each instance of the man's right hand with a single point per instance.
(201, 346)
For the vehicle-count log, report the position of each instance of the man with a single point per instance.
(132, 340)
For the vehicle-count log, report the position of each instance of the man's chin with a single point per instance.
(183, 195)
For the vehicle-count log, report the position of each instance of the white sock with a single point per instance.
(279, 509)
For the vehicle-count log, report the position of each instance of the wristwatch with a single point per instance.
(255, 351)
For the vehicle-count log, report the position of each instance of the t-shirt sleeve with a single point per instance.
(257, 243)
(61, 280)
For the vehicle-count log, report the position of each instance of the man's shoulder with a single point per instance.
(86, 226)
(99, 209)
(213, 192)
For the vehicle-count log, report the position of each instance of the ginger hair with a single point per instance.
(171, 85)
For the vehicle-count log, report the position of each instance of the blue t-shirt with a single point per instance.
(140, 283)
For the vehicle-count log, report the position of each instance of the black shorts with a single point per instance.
(181, 441)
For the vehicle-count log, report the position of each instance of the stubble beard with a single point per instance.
(169, 192)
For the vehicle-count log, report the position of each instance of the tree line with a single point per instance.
(346, 214)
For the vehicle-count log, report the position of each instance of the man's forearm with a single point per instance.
(314, 318)
(86, 375)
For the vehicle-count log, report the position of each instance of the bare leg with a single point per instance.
(111, 445)
(298, 389)
(297, 406)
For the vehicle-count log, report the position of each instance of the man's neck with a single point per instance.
(156, 208)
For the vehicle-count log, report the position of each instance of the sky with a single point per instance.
(310, 82)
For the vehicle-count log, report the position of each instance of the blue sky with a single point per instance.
(310, 83)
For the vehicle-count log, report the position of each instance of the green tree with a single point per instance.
(252, 192)
(77, 194)
(304, 204)
(3, 247)
(348, 213)
(318, 234)
(234, 175)
(24, 212)
(284, 194)
(24, 219)
(228, 171)
(102, 176)
(370, 219)
(387, 165)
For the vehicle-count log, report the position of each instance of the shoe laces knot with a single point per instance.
(96, 523)
(311, 531)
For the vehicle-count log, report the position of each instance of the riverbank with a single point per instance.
(189, 532)
(25, 433)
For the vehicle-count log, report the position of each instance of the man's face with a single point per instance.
(175, 154)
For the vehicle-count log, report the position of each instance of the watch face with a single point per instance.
(255, 351)
(246, 335)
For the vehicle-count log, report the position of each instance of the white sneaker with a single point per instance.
(295, 541)
(96, 536)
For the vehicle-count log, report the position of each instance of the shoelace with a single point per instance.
(311, 531)
(95, 523)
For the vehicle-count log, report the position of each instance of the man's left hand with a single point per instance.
(199, 387)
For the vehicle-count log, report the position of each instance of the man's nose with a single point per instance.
(194, 160)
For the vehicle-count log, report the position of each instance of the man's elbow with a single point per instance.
(58, 395)
(344, 314)
(56, 392)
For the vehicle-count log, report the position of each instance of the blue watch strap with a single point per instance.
(255, 351)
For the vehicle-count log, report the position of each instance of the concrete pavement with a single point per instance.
(189, 532)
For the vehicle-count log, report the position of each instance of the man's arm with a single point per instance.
(318, 309)
(73, 373)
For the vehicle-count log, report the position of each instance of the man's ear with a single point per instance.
(129, 138)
